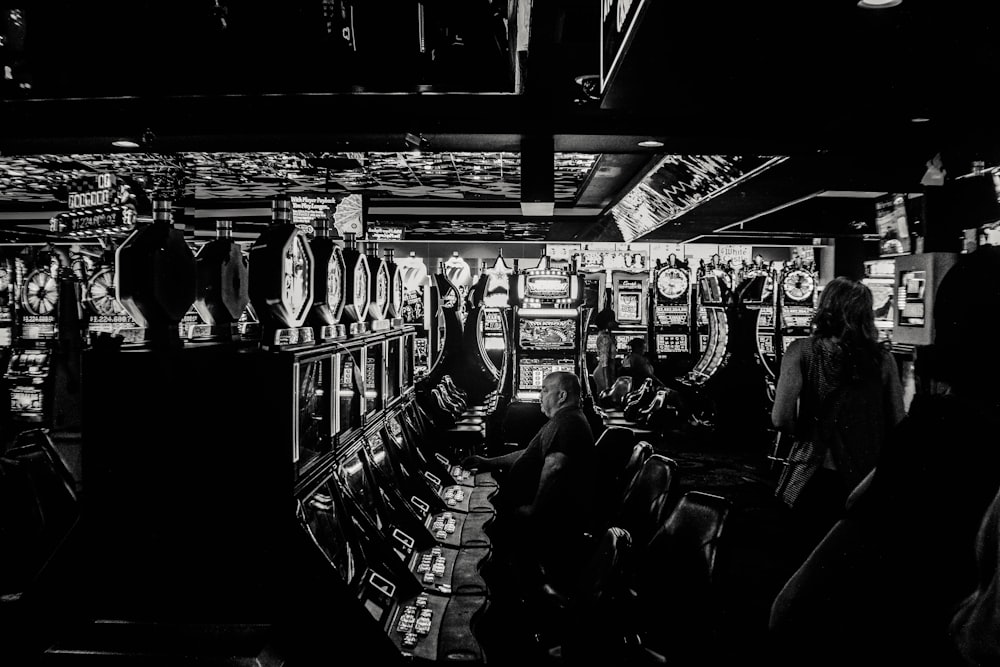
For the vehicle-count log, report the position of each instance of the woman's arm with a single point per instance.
(892, 390)
(789, 386)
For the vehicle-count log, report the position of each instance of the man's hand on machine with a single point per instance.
(475, 461)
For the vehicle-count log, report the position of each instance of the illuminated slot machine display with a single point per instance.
(281, 280)
(374, 376)
(394, 311)
(671, 319)
(496, 304)
(29, 377)
(105, 314)
(357, 288)
(7, 292)
(379, 288)
(459, 273)
(328, 285)
(797, 290)
(547, 328)
(880, 277)
(631, 298)
(413, 272)
(711, 301)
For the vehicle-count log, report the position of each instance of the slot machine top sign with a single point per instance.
(672, 283)
(798, 284)
(281, 270)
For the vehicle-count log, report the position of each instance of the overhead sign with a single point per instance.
(84, 222)
(618, 21)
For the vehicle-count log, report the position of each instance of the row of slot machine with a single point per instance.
(685, 323)
(345, 519)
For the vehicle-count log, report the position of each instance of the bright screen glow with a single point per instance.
(533, 371)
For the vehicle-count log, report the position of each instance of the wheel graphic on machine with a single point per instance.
(4, 279)
(672, 283)
(798, 285)
(100, 297)
(41, 293)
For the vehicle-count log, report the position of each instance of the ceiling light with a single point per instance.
(920, 119)
(651, 143)
(878, 4)
(124, 143)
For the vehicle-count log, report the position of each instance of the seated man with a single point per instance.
(545, 502)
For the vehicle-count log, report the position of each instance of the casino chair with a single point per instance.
(571, 620)
(639, 399)
(647, 499)
(663, 412)
(614, 449)
(612, 398)
(672, 616)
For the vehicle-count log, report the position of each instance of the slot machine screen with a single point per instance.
(533, 371)
(592, 293)
(322, 519)
(361, 490)
(546, 286)
(380, 458)
(5, 337)
(392, 369)
(349, 394)
(373, 378)
(911, 295)
(313, 409)
(545, 333)
(628, 307)
(592, 343)
(491, 321)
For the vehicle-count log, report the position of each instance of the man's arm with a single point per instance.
(503, 462)
(553, 463)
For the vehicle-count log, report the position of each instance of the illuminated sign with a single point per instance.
(81, 222)
(385, 233)
(547, 286)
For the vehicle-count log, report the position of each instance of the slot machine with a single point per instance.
(282, 252)
(395, 309)
(757, 295)
(797, 285)
(714, 341)
(596, 301)
(419, 308)
(29, 372)
(547, 333)
(447, 335)
(880, 278)
(496, 311)
(671, 319)
(631, 300)
(459, 273)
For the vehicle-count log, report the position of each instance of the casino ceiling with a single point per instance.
(503, 119)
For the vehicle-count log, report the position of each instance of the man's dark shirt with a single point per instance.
(568, 506)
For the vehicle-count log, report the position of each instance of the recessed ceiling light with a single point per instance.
(920, 119)
(651, 143)
(124, 143)
(878, 4)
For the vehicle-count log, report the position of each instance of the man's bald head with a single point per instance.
(567, 382)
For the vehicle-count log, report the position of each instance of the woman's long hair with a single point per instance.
(846, 312)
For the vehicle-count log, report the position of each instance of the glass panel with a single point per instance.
(349, 393)
(392, 370)
(313, 410)
(374, 367)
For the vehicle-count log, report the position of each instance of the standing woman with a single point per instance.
(605, 372)
(838, 390)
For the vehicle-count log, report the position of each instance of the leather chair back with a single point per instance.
(647, 497)
(614, 396)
